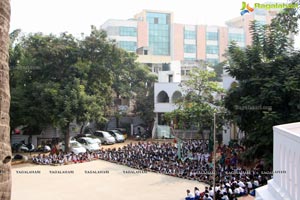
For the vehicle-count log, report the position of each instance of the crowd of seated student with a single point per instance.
(61, 158)
(232, 179)
(163, 158)
(229, 190)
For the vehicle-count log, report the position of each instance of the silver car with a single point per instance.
(105, 137)
(119, 137)
(89, 143)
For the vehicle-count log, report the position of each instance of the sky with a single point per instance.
(77, 16)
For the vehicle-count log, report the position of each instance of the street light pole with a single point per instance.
(214, 158)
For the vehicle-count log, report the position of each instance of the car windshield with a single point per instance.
(106, 134)
(75, 144)
(117, 132)
(112, 133)
(90, 141)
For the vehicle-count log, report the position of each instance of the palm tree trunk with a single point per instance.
(5, 148)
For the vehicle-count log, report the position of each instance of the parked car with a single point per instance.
(89, 143)
(121, 131)
(105, 137)
(117, 135)
(97, 139)
(75, 147)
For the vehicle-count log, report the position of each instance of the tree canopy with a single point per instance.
(268, 89)
(61, 79)
(201, 98)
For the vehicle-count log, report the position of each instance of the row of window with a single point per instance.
(212, 36)
(159, 33)
(191, 59)
(164, 31)
(212, 61)
(127, 45)
(159, 48)
(127, 31)
(190, 48)
(209, 35)
(189, 34)
(212, 49)
(165, 27)
(236, 37)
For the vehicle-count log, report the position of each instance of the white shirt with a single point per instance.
(241, 190)
(211, 193)
(190, 195)
(225, 197)
(256, 183)
(249, 184)
(241, 184)
(237, 191)
(197, 192)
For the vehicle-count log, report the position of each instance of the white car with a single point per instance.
(75, 147)
(94, 138)
(105, 137)
(89, 143)
(116, 134)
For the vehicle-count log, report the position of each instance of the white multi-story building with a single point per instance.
(166, 91)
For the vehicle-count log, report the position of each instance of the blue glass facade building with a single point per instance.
(159, 33)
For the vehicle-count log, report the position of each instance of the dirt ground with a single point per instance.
(96, 180)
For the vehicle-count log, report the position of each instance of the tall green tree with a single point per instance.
(268, 90)
(60, 79)
(55, 83)
(201, 98)
(143, 87)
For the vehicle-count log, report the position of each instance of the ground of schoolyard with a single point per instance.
(96, 180)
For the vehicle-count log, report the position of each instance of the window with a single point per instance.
(99, 134)
(212, 49)
(189, 48)
(162, 97)
(127, 45)
(212, 61)
(127, 31)
(186, 58)
(176, 96)
(212, 36)
(165, 67)
(238, 37)
(189, 34)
